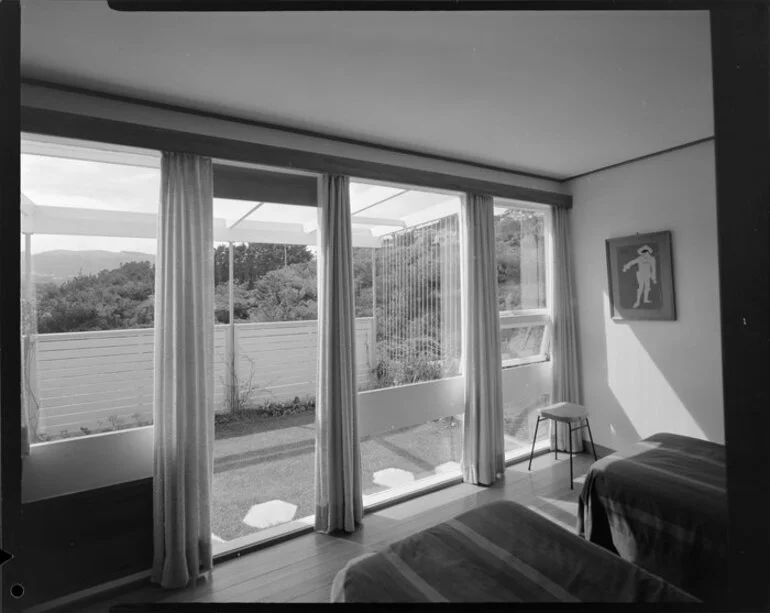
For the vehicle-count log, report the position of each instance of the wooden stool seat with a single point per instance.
(567, 413)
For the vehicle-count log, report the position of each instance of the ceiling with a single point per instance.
(552, 93)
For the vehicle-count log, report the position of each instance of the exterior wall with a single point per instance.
(643, 377)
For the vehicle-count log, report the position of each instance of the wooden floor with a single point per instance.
(302, 569)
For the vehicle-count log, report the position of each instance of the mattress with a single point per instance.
(500, 552)
(662, 504)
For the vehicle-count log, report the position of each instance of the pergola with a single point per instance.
(376, 211)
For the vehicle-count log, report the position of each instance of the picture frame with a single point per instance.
(640, 277)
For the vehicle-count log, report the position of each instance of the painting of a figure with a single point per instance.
(641, 276)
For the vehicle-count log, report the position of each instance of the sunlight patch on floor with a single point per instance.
(565, 505)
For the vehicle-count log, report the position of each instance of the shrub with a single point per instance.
(266, 409)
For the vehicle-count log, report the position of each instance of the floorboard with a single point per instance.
(302, 569)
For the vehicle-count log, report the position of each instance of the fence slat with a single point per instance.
(87, 377)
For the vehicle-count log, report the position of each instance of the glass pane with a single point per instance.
(521, 342)
(406, 455)
(520, 416)
(521, 277)
(265, 368)
(408, 291)
(88, 279)
(520, 252)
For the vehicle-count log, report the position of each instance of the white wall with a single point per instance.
(643, 377)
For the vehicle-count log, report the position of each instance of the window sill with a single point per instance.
(535, 359)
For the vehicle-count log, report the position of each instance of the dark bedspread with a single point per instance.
(662, 504)
(500, 552)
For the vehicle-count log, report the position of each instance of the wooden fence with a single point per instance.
(95, 380)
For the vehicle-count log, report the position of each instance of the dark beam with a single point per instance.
(741, 75)
(57, 123)
(409, 5)
(10, 265)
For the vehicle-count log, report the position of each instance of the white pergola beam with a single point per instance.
(95, 222)
(312, 226)
(254, 208)
(378, 221)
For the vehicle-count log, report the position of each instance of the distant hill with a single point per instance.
(59, 265)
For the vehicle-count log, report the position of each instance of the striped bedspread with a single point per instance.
(662, 504)
(501, 552)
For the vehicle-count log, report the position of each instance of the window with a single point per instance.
(265, 369)
(520, 246)
(522, 237)
(88, 251)
(408, 288)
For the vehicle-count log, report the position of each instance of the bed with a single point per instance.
(662, 504)
(500, 552)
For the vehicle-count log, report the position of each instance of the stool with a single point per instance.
(565, 412)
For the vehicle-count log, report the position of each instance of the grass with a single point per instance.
(283, 469)
(275, 460)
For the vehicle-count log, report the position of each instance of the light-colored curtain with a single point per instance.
(184, 355)
(565, 356)
(338, 490)
(483, 457)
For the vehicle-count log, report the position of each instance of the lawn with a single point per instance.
(276, 462)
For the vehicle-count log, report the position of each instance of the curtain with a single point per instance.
(338, 489)
(184, 351)
(566, 376)
(483, 458)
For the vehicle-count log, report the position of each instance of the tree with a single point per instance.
(289, 293)
(119, 298)
(252, 261)
(242, 302)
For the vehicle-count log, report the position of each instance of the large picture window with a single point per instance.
(409, 285)
(89, 223)
(88, 249)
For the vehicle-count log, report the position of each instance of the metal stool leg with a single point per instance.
(556, 439)
(534, 438)
(591, 436)
(569, 425)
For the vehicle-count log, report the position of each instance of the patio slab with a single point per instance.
(447, 467)
(270, 513)
(393, 477)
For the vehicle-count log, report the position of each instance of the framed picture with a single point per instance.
(641, 277)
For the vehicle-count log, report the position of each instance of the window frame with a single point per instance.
(519, 318)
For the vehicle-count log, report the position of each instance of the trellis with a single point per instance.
(417, 294)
